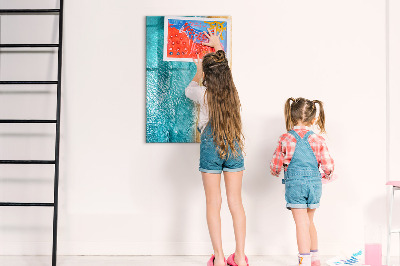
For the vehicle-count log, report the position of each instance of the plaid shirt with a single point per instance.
(287, 144)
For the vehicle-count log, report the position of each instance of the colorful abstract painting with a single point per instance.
(170, 116)
(183, 37)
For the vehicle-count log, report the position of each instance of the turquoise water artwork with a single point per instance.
(170, 116)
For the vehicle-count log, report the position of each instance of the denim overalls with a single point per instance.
(302, 181)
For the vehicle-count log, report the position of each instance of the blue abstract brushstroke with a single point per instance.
(170, 116)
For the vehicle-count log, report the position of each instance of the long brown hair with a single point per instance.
(223, 104)
(303, 110)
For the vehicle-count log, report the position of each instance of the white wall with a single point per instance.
(120, 195)
(394, 110)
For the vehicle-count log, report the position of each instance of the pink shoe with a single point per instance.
(231, 260)
(316, 263)
(211, 261)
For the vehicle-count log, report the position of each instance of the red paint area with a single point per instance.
(181, 46)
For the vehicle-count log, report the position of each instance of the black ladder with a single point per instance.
(57, 82)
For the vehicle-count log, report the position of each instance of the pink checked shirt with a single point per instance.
(287, 144)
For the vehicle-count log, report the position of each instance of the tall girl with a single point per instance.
(302, 153)
(221, 147)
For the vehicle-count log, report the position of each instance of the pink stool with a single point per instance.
(394, 185)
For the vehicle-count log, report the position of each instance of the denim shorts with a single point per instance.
(303, 193)
(211, 161)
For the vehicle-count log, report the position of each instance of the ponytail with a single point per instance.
(288, 114)
(321, 116)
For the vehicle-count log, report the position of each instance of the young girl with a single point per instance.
(302, 152)
(221, 147)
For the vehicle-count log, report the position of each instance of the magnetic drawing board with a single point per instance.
(183, 37)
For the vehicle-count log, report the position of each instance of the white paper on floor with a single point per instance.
(350, 258)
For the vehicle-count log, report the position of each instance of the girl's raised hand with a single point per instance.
(213, 39)
(199, 64)
(199, 73)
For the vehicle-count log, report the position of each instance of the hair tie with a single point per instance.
(218, 64)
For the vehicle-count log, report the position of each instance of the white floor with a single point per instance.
(136, 260)
(144, 260)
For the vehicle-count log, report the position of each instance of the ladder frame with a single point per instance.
(57, 82)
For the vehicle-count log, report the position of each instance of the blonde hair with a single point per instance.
(303, 110)
(223, 104)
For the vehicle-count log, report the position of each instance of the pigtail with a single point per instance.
(321, 116)
(288, 114)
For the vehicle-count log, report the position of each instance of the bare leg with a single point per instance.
(302, 221)
(313, 230)
(233, 183)
(212, 188)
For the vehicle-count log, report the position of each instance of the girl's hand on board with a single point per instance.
(213, 39)
(199, 66)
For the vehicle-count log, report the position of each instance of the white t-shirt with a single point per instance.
(196, 93)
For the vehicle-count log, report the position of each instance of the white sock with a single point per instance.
(305, 260)
(314, 255)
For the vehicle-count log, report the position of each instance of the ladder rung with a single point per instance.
(26, 121)
(28, 11)
(29, 204)
(395, 231)
(30, 82)
(27, 161)
(33, 45)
